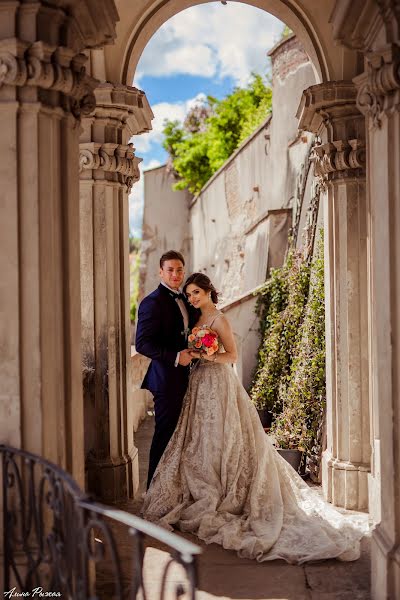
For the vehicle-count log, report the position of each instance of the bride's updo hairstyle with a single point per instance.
(203, 282)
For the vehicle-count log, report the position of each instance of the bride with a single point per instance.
(220, 477)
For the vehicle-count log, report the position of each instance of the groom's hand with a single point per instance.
(184, 357)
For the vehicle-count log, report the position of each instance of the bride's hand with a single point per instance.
(203, 355)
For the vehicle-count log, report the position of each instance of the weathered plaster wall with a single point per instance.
(165, 226)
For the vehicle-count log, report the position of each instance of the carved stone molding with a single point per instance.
(124, 104)
(48, 68)
(332, 159)
(379, 85)
(77, 24)
(330, 109)
(113, 158)
(360, 24)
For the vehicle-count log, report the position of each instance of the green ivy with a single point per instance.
(281, 308)
(303, 394)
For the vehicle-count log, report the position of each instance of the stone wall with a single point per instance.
(165, 226)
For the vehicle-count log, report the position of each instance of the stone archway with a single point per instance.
(288, 12)
(329, 110)
(310, 23)
(360, 238)
(44, 93)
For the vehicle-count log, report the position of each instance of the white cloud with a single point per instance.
(196, 59)
(234, 41)
(163, 111)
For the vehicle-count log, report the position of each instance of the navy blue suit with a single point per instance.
(160, 336)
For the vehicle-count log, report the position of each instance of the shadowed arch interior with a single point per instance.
(291, 12)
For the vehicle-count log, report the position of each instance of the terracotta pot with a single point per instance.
(293, 457)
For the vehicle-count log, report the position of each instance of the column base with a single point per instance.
(385, 566)
(345, 484)
(113, 479)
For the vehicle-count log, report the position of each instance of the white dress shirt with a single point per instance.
(183, 309)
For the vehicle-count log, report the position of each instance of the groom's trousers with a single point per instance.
(167, 408)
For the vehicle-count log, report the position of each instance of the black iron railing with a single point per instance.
(55, 537)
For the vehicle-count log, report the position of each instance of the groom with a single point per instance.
(163, 321)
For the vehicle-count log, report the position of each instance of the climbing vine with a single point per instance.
(281, 307)
(290, 377)
(302, 394)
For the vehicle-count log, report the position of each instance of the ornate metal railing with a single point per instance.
(55, 537)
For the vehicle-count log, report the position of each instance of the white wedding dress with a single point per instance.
(221, 479)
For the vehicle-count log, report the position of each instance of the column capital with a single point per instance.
(120, 112)
(48, 68)
(379, 85)
(124, 104)
(119, 159)
(337, 160)
(330, 110)
(330, 107)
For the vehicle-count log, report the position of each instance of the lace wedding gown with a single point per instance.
(221, 479)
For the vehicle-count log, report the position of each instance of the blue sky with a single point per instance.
(204, 50)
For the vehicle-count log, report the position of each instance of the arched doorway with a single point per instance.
(40, 110)
(328, 109)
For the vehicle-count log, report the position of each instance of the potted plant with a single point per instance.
(290, 432)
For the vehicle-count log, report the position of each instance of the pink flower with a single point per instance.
(208, 340)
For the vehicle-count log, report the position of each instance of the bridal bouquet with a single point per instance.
(204, 339)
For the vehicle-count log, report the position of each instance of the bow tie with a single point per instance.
(177, 296)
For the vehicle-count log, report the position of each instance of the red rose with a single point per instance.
(208, 340)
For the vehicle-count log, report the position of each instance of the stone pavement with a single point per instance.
(223, 575)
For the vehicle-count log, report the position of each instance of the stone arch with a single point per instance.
(312, 28)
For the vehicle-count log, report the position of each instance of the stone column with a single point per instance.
(329, 110)
(379, 99)
(108, 169)
(44, 90)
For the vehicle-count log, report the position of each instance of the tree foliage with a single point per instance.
(213, 131)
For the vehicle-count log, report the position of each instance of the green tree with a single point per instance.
(286, 32)
(212, 132)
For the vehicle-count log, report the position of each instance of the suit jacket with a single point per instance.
(160, 336)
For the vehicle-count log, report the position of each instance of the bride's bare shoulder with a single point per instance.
(221, 322)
